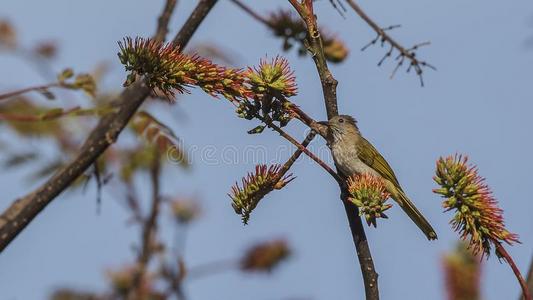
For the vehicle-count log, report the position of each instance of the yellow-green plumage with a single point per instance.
(353, 154)
(371, 157)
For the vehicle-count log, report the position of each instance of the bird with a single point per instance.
(353, 154)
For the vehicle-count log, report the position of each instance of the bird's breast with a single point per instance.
(347, 160)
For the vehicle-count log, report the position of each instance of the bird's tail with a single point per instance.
(415, 215)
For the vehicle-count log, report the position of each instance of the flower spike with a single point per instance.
(477, 215)
(254, 187)
(167, 69)
(270, 83)
(462, 274)
(274, 78)
(369, 194)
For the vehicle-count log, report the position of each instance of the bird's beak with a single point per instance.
(321, 128)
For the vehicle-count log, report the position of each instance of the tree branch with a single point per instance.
(329, 83)
(307, 120)
(16, 217)
(529, 279)
(329, 88)
(192, 23)
(500, 250)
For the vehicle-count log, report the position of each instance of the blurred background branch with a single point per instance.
(15, 218)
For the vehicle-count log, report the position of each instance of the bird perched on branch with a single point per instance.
(353, 154)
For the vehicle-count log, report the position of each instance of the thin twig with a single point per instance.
(252, 13)
(163, 20)
(22, 211)
(132, 204)
(40, 88)
(503, 253)
(300, 147)
(149, 225)
(288, 164)
(307, 120)
(382, 35)
(38, 118)
(338, 6)
(329, 88)
(174, 276)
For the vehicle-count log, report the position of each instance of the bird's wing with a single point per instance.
(371, 157)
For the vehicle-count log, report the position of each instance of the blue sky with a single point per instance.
(478, 102)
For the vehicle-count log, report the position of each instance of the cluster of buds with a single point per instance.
(71, 294)
(272, 78)
(160, 136)
(123, 281)
(293, 31)
(8, 40)
(135, 159)
(369, 194)
(462, 274)
(255, 186)
(169, 70)
(46, 49)
(265, 256)
(8, 36)
(334, 49)
(82, 81)
(248, 110)
(184, 210)
(271, 83)
(29, 129)
(477, 215)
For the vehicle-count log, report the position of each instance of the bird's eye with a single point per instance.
(341, 120)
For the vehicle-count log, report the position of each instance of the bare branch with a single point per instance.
(329, 83)
(384, 37)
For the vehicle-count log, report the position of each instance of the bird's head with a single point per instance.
(341, 126)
